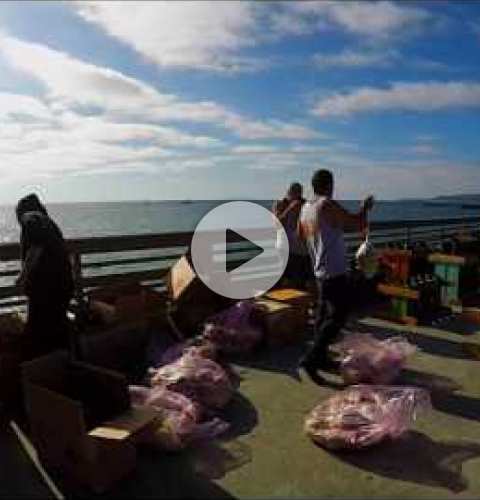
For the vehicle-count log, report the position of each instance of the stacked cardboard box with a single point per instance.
(119, 303)
(282, 323)
(301, 300)
(14, 347)
(126, 317)
(192, 301)
(80, 420)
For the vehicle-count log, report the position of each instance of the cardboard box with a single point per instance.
(11, 325)
(119, 303)
(15, 347)
(283, 324)
(183, 284)
(192, 301)
(81, 421)
(299, 299)
(120, 347)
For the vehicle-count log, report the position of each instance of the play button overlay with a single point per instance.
(234, 250)
(254, 252)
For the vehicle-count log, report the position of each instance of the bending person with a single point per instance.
(46, 277)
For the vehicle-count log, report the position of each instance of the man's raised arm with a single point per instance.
(340, 217)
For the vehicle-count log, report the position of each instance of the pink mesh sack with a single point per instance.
(364, 415)
(179, 419)
(233, 330)
(196, 377)
(204, 348)
(364, 359)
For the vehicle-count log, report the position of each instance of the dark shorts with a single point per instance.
(298, 270)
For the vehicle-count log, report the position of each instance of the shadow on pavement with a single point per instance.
(443, 394)
(426, 343)
(417, 458)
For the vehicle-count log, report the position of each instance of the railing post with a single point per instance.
(76, 260)
(76, 351)
(408, 235)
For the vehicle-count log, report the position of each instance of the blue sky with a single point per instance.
(168, 100)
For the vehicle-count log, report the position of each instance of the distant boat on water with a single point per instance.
(186, 202)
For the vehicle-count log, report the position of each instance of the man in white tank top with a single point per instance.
(321, 225)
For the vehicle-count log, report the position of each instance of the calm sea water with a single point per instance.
(102, 219)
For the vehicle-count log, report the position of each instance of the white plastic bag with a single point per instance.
(365, 256)
(364, 250)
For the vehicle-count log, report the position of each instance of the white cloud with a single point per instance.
(17, 105)
(420, 96)
(264, 149)
(195, 34)
(414, 179)
(381, 19)
(375, 59)
(71, 83)
(352, 58)
(97, 129)
(214, 35)
(90, 119)
(285, 23)
(254, 149)
(424, 149)
(376, 18)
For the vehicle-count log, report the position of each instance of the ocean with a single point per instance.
(121, 218)
(79, 220)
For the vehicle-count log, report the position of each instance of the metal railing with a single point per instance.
(146, 258)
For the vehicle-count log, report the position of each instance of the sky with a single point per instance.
(103, 101)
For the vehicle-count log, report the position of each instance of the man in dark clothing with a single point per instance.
(46, 277)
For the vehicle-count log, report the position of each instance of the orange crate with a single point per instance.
(397, 263)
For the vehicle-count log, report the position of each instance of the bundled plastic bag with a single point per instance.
(203, 348)
(364, 359)
(364, 250)
(233, 330)
(179, 419)
(363, 415)
(196, 377)
(366, 258)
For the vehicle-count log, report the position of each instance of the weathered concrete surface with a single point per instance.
(439, 459)
(267, 455)
(18, 476)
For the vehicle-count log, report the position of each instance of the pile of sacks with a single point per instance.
(363, 415)
(186, 392)
(189, 384)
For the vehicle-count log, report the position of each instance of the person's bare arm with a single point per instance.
(281, 211)
(340, 217)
